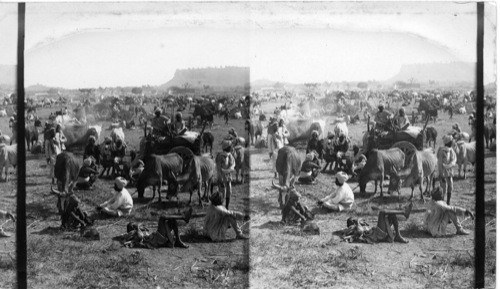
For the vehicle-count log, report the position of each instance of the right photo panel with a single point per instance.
(362, 144)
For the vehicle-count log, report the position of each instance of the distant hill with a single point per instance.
(230, 76)
(37, 88)
(8, 75)
(438, 72)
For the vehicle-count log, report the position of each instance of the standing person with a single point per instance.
(272, 128)
(340, 148)
(5, 214)
(440, 214)
(447, 158)
(121, 203)
(51, 150)
(282, 134)
(218, 219)
(59, 139)
(342, 199)
(225, 164)
(226, 115)
(13, 127)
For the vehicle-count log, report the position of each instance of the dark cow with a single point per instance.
(205, 113)
(208, 141)
(378, 164)
(75, 142)
(66, 171)
(288, 164)
(431, 136)
(32, 134)
(430, 109)
(190, 179)
(158, 168)
(490, 133)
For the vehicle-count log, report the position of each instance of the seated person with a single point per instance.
(121, 203)
(340, 148)
(294, 211)
(118, 153)
(92, 150)
(402, 121)
(382, 118)
(455, 132)
(160, 123)
(440, 214)
(218, 219)
(342, 199)
(106, 157)
(312, 144)
(87, 175)
(309, 170)
(179, 126)
(139, 236)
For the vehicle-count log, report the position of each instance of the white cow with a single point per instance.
(237, 115)
(466, 153)
(8, 157)
(3, 113)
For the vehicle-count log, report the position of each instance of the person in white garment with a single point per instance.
(342, 199)
(121, 203)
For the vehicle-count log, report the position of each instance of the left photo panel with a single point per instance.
(8, 147)
(137, 170)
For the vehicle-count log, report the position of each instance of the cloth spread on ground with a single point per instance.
(190, 136)
(361, 232)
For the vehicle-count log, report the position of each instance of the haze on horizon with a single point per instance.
(76, 45)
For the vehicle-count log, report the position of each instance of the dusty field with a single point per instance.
(282, 257)
(64, 260)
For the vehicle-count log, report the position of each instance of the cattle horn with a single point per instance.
(276, 186)
(55, 192)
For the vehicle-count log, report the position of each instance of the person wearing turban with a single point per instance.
(309, 170)
(121, 203)
(342, 199)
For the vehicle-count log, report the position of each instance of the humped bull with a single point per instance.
(78, 135)
(380, 162)
(422, 166)
(156, 169)
(466, 153)
(208, 174)
(117, 133)
(301, 129)
(66, 171)
(288, 165)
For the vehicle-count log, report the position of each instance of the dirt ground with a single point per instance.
(64, 260)
(283, 257)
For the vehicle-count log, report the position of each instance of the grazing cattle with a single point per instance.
(158, 168)
(206, 114)
(462, 110)
(190, 179)
(3, 112)
(431, 136)
(37, 148)
(208, 175)
(490, 133)
(466, 153)
(8, 157)
(288, 164)
(254, 130)
(380, 162)
(237, 115)
(430, 110)
(78, 135)
(422, 166)
(66, 171)
(208, 141)
(117, 133)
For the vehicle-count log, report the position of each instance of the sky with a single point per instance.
(127, 44)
